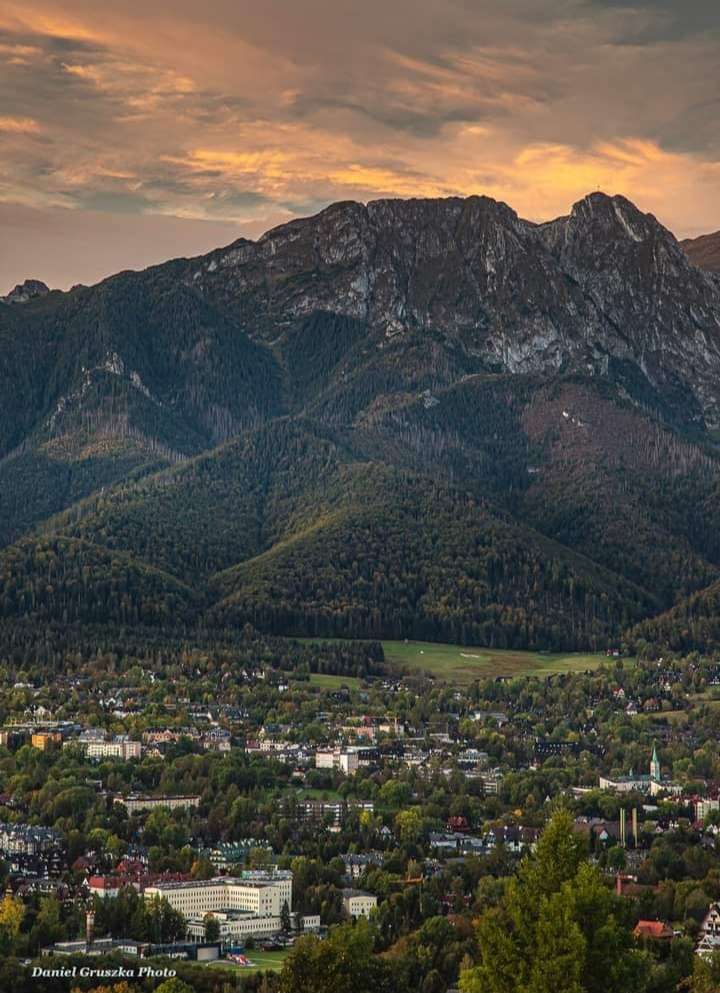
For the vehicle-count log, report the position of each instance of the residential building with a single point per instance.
(42, 740)
(98, 747)
(653, 931)
(332, 811)
(709, 938)
(358, 903)
(705, 806)
(27, 839)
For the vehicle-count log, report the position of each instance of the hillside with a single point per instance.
(425, 419)
(348, 547)
(704, 251)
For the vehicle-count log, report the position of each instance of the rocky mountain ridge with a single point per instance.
(605, 285)
(29, 289)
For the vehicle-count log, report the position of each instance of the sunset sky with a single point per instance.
(134, 131)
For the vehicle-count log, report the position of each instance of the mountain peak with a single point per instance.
(615, 216)
(28, 290)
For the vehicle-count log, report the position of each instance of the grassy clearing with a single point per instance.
(317, 794)
(462, 664)
(261, 962)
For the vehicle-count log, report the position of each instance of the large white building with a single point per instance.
(235, 926)
(135, 803)
(120, 747)
(262, 895)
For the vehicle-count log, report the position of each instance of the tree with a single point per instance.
(212, 928)
(409, 825)
(285, 917)
(48, 926)
(173, 985)
(616, 858)
(557, 965)
(557, 929)
(12, 911)
(706, 974)
(342, 963)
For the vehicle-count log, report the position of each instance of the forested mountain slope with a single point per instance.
(412, 418)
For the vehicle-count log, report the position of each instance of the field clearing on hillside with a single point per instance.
(462, 664)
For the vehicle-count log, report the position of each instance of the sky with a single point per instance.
(132, 132)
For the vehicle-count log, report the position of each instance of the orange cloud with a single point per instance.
(19, 125)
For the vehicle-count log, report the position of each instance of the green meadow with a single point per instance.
(462, 664)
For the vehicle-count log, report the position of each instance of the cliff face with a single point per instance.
(606, 290)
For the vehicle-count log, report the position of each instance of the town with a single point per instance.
(142, 818)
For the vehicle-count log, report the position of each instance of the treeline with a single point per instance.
(62, 579)
(692, 625)
(44, 650)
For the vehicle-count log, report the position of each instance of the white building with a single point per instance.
(358, 903)
(705, 806)
(135, 803)
(236, 926)
(345, 759)
(654, 783)
(120, 747)
(197, 897)
(281, 878)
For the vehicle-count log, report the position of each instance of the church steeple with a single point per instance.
(655, 765)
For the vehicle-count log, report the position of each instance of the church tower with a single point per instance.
(655, 766)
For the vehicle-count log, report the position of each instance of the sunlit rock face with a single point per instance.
(607, 290)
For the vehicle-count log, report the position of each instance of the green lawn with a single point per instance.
(261, 962)
(309, 793)
(461, 664)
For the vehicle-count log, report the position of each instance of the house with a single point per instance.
(358, 903)
(357, 864)
(710, 932)
(653, 931)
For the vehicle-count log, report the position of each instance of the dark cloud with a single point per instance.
(665, 20)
